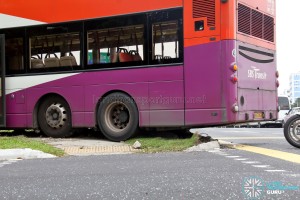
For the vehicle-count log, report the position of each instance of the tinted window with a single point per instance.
(284, 103)
(14, 55)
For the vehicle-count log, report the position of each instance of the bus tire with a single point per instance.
(117, 117)
(292, 131)
(54, 117)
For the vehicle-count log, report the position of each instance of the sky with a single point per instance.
(288, 40)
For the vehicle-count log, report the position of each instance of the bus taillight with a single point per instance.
(277, 83)
(235, 68)
(234, 79)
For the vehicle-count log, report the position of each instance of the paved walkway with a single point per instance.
(89, 146)
(71, 146)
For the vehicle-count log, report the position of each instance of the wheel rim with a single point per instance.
(117, 117)
(294, 131)
(56, 116)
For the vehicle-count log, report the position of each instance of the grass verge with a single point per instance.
(23, 142)
(160, 144)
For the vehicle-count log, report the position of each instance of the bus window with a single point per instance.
(55, 51)
(116, 45)
(165, 41)
(14, 55)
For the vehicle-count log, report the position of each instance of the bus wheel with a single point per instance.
(117, 117)
(292, 131)
(54, 117)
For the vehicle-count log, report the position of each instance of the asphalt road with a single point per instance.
(271, 138)
(217, 174)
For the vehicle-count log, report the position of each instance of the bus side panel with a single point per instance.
(203, 77)
(16, 111)
(15, 106)
(166, 103)
(148, 86)
(83, 91)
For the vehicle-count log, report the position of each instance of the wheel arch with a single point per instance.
(105, 95)
(38, 103)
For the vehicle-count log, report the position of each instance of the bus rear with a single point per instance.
(230, 61)
(256, 59)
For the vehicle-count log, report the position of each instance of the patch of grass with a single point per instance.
(161, 144)
(23, 142)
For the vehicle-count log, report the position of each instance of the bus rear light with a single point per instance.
(234, 79)
(277, 83)
(277, 74)
(235, 108)
(235, 68)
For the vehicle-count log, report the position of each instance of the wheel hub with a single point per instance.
(117, 116)
(56, 116)
(296, 130)
(123, 116)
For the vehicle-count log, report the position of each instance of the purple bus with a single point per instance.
(121, 66)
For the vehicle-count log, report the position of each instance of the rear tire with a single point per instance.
(54, 117)
(117, 117)
(292, 131)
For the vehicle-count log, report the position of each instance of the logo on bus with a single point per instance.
(255, 73)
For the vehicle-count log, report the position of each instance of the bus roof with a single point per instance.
(51, 11)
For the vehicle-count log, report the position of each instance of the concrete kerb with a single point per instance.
(228, 145)
(213, 145)
(206, 143)
(7, 154)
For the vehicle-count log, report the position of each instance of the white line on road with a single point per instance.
(6, 163)
(251, 162)
(261, 166)
(275, 170)
(241, 159)
(233, 156)
(214, 151)
(293, 175)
